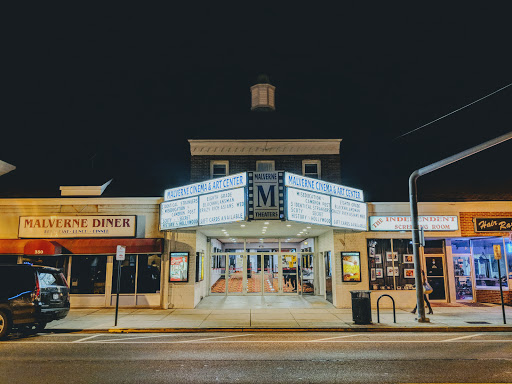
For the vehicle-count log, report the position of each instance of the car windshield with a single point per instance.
(48, 278)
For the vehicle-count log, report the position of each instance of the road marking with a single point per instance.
(85, 338)
(464, 337)
(337, 337)
(136, 337)
(121, 339)
(211, 338)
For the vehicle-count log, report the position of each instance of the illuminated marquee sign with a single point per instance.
(403, 223)
(348, 214)
(222, 207)
(319, 202)
(209, 186)
(319, 186)
(221, 203)
(308, 207)
(179, 213)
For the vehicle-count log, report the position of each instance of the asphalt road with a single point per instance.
(258, 358)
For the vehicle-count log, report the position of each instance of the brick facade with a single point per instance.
(467, 226)
(492, 296)
(330, 165)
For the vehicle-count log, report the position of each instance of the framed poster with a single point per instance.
(351, 262)
(373, 276)
(199, 266)
(378, 273)
(389, 271)
(391, 256)
(378, 258)
(178, 267)
(409, 273)
(408, 258)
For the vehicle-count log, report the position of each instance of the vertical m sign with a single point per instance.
(266, 191)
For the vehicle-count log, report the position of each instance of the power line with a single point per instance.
(451, 113)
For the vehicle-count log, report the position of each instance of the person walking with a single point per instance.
(427, 289)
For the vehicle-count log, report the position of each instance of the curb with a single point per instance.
(243, 329)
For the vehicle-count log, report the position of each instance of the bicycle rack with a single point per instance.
(394, 312)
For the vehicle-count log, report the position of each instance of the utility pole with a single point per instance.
(413, 200)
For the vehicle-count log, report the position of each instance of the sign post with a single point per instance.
(120, 255)
(497, 257)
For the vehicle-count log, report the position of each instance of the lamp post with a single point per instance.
(413, 200)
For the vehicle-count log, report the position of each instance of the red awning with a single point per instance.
(78, 246)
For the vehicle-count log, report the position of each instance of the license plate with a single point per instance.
(56, 296)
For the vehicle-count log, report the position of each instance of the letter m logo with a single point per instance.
(265, 197)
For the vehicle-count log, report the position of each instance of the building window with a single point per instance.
(311, 168)
(265, 165)
(88, 274)
(486, 266)
(139, 273)
(219, 168)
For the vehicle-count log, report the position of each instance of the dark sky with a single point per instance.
(93, 93)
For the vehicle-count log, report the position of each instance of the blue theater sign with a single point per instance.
(251, 196)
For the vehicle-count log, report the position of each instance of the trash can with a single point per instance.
(361, 307)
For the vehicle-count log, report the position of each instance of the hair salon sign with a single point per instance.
(76, 226)
(501, 224)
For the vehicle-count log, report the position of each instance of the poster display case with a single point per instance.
(178, 267)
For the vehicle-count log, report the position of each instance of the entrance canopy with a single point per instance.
(255, 197)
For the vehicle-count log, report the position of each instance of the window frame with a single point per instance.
(273, 162)
(219, 162)
(318, 164)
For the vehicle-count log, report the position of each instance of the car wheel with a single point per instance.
(5, 325)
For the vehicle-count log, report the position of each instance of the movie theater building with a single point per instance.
(80, 235)
(262, 218)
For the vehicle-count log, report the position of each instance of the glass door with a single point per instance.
(463, 278)
(253, 282)
(218, 274)
(235, 274)
(307, 273)
(435, 276)
(289, 275)
(328, 276)
(271, 273)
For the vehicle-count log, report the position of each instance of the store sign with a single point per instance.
(324, 187)
(403, 223)
(222, 207)
(76, 226)
(266, 195)
(308, 207)
(501, 224)
(179, 213)
(348, 214)
(209, 186)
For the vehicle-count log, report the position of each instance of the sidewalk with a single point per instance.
(445, 319)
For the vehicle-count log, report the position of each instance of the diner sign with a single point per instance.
(209, 186)
(403, 223)
(500, 224)
(319, 186)
(76, 226)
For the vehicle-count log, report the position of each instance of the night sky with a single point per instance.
(97, 93)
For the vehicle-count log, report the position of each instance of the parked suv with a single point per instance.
(30, 297)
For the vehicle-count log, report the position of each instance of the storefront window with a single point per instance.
(148, 275)
(378, 251)
(88, 274)
(486, 266)
(8, 259)
(508, 250)
(128, 270)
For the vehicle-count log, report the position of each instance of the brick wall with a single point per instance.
(491, 296)
(467, 227)
(330, 165)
